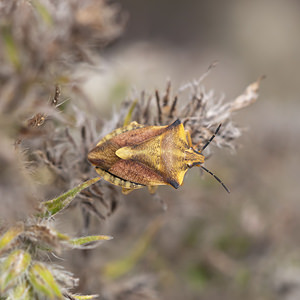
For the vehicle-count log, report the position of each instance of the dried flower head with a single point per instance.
(42, 44)
(199, 110)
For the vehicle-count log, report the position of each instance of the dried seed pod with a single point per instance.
(135, 156)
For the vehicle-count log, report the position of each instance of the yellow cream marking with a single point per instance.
(118, 181)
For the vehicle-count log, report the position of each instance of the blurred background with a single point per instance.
(206, 244)
(209, 245)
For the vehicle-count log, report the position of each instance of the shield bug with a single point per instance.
(136, 156)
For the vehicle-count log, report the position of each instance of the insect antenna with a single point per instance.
(212, 137)
(208, 142)
(216, 177)
(206, 170)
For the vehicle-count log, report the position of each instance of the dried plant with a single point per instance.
(26, 272)
(42, 44)
(200, 111)
(48, 126)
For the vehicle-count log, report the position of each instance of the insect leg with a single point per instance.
(152, 189)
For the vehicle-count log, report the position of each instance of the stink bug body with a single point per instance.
(136, 156)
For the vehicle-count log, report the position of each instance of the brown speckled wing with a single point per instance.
(137, 136)
(131, 170)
